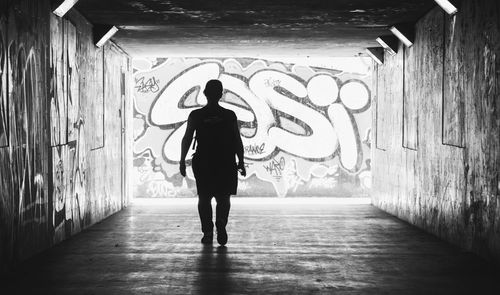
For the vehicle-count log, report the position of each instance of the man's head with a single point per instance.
(213, 90)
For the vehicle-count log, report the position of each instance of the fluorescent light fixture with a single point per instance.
(389, 43)
(447, 6)
(103, 34)
(404, 33)
(377, 53)
(64, 7)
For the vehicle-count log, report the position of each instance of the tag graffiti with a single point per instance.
(151, 85)
(275, 167)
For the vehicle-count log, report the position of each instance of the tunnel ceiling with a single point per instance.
(250, 27)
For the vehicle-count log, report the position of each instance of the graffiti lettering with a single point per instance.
(150, 85)
(275, 167)
(308, 117)
(309, 147)
(272, 83)
(161, 189)
(255, 149)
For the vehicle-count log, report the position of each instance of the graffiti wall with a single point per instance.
(447, 181)
(4, 136)
(49, 85)
(24, 188)
(306, 130)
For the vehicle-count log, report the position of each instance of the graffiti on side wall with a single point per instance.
(26, 184)
(67, 124)
(4, 127)
(46, 191)
(304, 129)
(69, 176)
(58, 90)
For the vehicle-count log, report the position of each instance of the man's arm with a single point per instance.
(186, 142)
(239, 148)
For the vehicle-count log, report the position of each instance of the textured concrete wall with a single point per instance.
(305, 130)
(437, 125)
(61, 116)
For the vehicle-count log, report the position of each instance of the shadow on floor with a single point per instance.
(214, 273)
(273, 248)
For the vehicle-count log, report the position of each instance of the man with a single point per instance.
(218, 141)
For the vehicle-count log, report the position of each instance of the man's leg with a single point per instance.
(222, 214)
(205, 212)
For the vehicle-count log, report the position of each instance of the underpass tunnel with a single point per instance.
(371, 135)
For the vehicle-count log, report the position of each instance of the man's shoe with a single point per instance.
(222, 237)
(208, 238)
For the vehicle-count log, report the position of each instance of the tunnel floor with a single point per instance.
(306, 246)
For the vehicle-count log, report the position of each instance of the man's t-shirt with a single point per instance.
(215, 131)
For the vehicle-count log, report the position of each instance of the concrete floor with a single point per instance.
(306, 246)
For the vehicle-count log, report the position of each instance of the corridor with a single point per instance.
(360, 141)
(276, 246)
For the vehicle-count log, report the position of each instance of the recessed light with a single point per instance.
(447, 6)
(389, 43)
(404, 33)
(64, 7)
(103, 34)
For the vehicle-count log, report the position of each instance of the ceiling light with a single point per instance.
(447, 6)
(404, 32)
(103, 33)
(377, 53)
(64, 7)
(389, 43)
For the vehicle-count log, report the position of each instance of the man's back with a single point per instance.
(215, 133)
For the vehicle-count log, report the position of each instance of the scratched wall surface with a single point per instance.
(446, 181)
(58, 174)
(306, 131)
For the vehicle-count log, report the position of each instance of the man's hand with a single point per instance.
(242, 169)
(182, 168)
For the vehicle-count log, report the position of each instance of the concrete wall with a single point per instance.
(306, 130)
(436, 156)
(61, 101)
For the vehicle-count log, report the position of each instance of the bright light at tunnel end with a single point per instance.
(62, 9)
(447, 6)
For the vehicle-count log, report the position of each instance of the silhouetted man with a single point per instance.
(214, 163)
